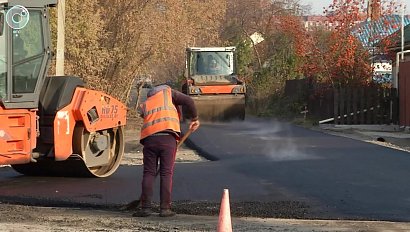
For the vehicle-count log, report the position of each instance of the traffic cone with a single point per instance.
(225, 223)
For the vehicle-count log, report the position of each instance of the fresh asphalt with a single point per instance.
(257, 160)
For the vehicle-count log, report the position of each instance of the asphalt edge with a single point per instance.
(201, 152)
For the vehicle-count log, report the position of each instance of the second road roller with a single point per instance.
(213, 83)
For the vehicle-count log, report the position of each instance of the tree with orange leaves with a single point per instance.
(345, 60)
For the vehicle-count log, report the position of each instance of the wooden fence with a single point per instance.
(365, 106)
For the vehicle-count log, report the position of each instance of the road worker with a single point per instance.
(160, 133)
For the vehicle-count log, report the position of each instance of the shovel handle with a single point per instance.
(180, 142)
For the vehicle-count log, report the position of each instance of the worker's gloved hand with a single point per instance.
(194, 125)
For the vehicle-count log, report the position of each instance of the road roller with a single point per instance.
(213, 83)
(52, 126)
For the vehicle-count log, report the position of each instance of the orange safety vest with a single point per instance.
(159, 114)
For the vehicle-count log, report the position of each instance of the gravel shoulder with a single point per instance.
(40, 219)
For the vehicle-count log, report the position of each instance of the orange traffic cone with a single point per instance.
(225, 223)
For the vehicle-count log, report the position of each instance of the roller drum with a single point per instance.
(216, 108)
(95, 154)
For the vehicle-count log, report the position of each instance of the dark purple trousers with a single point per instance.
(162, 148)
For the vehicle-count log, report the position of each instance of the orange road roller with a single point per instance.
(51, 126)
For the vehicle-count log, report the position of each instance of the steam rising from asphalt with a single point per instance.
(279, 144)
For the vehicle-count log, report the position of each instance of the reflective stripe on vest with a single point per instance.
(158, 121)
(159, 114)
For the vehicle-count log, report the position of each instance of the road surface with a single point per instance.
(271, 169)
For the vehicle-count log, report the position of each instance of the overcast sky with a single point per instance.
(317, 5)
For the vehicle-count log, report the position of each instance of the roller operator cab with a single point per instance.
(212, 81)
(50, 125)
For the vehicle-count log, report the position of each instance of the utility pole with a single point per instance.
(400, 55)
(373, 15)
(374, 10)
(60, 38)
(402, 29)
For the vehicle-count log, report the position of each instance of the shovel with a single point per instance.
(180, 142)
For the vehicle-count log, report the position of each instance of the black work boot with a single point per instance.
(144, 212)
(166, 213)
